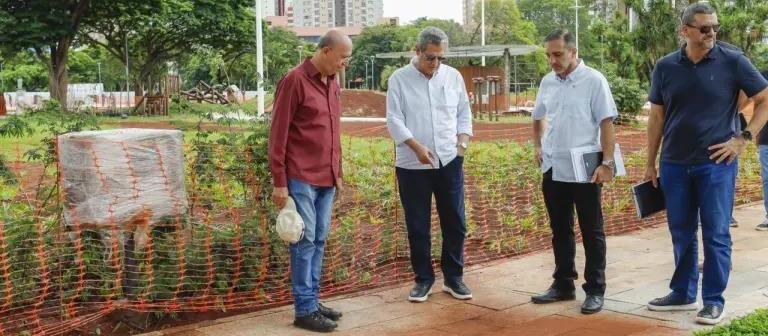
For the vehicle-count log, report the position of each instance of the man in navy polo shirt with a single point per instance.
(694, 94)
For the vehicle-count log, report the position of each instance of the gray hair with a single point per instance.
(431, 35)
(689, 14)
(567, 36)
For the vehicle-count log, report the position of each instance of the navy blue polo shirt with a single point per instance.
(700, 100)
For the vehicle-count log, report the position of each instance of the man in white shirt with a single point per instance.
(429, 119)
(579, 110)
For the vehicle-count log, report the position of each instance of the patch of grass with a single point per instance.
(755, 323)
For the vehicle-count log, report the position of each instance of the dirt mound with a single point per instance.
(363, 103)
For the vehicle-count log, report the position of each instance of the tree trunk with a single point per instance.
(56, 62)
(58, 81)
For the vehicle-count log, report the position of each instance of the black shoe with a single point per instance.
(710, 314)
(330, 313)
(762, 226)
(671, 303)
(457, 289)
(315, 322)
(420, 292)
(592, 304)
(554, 295)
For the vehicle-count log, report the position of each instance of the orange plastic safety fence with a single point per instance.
(217, 250)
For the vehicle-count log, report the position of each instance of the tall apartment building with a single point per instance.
(336, 13)
(468, 10)
(268, 8)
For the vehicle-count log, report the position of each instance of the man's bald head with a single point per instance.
(333, 38)
(333, 52)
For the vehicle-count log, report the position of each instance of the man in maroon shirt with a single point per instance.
(305, 161)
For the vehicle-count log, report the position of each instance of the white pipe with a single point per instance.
(259, 61)
(482, 27)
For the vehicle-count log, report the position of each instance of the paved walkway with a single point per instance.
(639, 268)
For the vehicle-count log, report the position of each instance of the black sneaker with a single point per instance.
(710, 314)
(420, 292)
(330, 313)
(762, 226)
(671, 303)
(315, 322)
(457, 289)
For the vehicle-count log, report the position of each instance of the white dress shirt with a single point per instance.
(573, 108)
(432, 111)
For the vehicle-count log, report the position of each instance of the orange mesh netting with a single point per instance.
(64, 264)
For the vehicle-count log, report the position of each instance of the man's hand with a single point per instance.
(728, 150)
(651, 175)
(537, 156)
(460, 151)
(424, 155)
(603, 174)
(280, 197)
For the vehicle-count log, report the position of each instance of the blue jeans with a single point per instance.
(707, 190)
(763, 150)
(314, 205)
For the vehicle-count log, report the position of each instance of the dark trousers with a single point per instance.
(416, 190)
(560, 199)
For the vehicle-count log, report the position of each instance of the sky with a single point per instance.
(408, 10)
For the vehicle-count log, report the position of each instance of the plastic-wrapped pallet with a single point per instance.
(111, 178)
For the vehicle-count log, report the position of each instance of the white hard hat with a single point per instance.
(290, 226)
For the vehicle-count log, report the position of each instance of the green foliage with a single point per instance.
(505, 24)
(385, 74)
(655, 34)
(161, 31)
(755, 323)
(744, 23)
(26, 66)
(628, 94)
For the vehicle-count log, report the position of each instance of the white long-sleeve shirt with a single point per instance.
(432, 111)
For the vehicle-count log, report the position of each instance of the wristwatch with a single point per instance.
(747, 135)
(609, 163)
(463, 145)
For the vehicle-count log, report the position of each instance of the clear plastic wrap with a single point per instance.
(117, 178)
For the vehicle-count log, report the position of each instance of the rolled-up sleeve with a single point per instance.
(287, 100)
(464, 116)
(395, 116)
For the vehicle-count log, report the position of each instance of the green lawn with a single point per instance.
(752, 324)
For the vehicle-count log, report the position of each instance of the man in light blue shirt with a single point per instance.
(429, 119)
(574, 108)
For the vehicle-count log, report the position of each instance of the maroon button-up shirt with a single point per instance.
(304, 140)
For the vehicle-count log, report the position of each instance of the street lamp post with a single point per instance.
(577, 23)
(301, 50)
(373, 76)
(366, 71)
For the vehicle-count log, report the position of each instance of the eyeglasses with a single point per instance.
(706, 29)
(431, 58)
